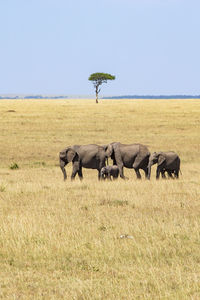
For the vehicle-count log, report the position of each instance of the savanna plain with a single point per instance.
(61, 240)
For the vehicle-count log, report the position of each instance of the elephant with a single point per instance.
(108, 171)
(132, 156)
(87, 156)
(166, 162)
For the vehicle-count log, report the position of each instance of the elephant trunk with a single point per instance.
(62, 166)
(109, 150)
(149, 170)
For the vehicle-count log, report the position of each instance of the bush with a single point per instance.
(14, 166)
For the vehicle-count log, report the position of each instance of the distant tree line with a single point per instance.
(44, 97)
(112, 97)
(33, 97)
(154, 97)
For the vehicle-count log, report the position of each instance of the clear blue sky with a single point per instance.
(52, 46)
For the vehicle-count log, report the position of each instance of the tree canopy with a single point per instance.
(98, 79)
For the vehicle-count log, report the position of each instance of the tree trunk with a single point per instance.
(97, 94)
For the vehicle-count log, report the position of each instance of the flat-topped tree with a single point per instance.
(98, 79)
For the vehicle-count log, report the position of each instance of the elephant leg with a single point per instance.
(115, 176)
(137, 165)
(99, 174)
(146, 172)
(176, 174)
(170, 174)
(80, 174)
(121, 172)
(158, 173)
(138, 174)
(163, 174)
(62, 166)
(75, 170)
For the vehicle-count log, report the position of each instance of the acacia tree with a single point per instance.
(98, 79)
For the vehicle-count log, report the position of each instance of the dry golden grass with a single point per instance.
(61, 240)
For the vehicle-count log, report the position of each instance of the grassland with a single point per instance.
(61, 240)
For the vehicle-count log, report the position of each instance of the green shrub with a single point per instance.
(14, 166)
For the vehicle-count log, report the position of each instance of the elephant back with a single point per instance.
(144, 150)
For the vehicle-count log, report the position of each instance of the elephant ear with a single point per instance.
(161, 159)
(117, 154)
(67, 154)
(108, 149)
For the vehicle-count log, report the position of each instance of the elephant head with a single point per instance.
(67, 155)
(108, 150)
(103, 173)
(111, 151)
(156, 157)
(116, 155)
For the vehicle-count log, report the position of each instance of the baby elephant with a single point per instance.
(166, 162)
(108, 171)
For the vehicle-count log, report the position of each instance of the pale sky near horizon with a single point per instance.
(52, 46)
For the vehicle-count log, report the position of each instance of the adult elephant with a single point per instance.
(132, 156)
(84, 156)
(166, 162)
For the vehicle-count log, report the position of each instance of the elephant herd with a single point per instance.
(132, 156)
